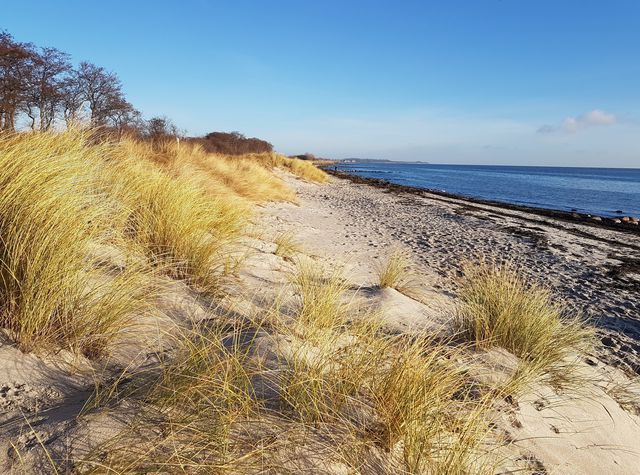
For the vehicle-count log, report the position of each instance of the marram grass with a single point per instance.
(51, 214)
(498, 307)
(175, 221)
(397, 272)
(170, 207)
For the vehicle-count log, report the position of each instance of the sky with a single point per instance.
(517, 82)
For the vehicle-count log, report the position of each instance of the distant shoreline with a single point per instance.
(570, 216)
(359, 161)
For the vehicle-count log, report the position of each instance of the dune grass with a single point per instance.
(322, 297)
(498, 307)
(397, 272)
(248, 176)
(51, 213)
(348, 390)
(169, 206)
(185, 418)
(286, 244)
(301, 168)
(176, 222)
(401, 394)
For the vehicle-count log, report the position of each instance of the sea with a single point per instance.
(596, 191)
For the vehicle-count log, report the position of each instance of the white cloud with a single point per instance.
(574, 124)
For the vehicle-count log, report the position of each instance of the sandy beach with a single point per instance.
(596, 269)
(356, 225)
(592, 427)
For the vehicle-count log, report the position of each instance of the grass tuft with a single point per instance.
(286, 245)
(498, 307)
(397, 272)
(52, 213)
(175, 222)
(323, 301)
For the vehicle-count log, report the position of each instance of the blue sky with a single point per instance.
(523, 82)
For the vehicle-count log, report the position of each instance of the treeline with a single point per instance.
(41, 85)
(40, 89)
(232, 143)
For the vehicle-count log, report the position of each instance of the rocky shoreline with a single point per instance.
(629, 224)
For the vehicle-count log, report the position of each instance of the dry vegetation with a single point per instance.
(286, 245)
(332, 384)
(499, 308)
(316, 383)
(51, 214)
(64, 196)
(397, 272)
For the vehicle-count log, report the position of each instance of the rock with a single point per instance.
(617, 221)
(597, 218)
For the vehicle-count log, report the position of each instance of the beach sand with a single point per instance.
(592, 429)
(595, 430)
(597, 270)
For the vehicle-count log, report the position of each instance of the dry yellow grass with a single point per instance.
(64, 194)
(248, 176)
(286, 244)
(301, 168)
(397, 272)
(185, 418)
(405, 395)
(360, 397)
(51, 214)
(322, 298)
(175, 221)
(498, 307)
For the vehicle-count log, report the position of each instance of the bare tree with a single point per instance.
(161, 128)
(40, 84)
(100, 89)
(122, 115)
(72, 99)
(16, 66)
(45, 93)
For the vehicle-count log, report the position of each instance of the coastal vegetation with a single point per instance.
(93, 227)
(394, 271)
(65, 199)
(498, 307)
(397, 272)
(286, 244)
(102, 225)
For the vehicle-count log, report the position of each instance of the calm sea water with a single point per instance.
(600, 191)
